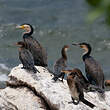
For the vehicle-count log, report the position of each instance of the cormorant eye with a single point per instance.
(81, 46)
(72, 74)
(26, 27)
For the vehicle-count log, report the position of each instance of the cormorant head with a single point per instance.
(84, 46)
(70, 73)
(66, 71)
(65, 47)
(20, 44)
(27, 27)
(73, 72)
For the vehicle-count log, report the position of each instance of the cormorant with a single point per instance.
(60, 64)
(38, 52)
(85, 83)
(93, 69)
(74, 81)
(26, 57)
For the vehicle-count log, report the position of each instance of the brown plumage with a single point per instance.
(83, 80)
(38, 52)
(74, 80)
(60, 64)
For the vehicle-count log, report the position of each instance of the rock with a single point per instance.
(19, 99)
(29, 91)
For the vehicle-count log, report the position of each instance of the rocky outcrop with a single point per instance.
(19, 99)
(29, 91)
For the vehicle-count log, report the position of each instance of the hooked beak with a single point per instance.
(20, 27)
(76, 44)
(15, 44)
(66, 71)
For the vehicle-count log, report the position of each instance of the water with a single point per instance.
(56, 23)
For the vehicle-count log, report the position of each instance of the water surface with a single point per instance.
(56, 23)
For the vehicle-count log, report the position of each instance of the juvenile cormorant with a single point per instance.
(38, 52)
(83, 80)
(26, 57)
(60, 64)
(74, 81)
(93, 69)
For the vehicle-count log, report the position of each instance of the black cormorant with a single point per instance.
(26, 57)
(74, 81)
(60, 64)
(38, 52)
(93, 69)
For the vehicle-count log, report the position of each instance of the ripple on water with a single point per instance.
(3, 75)
(3, 72)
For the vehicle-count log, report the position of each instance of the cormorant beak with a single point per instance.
(16, 44)
(76, 44)
(20, 27)
(66, 71)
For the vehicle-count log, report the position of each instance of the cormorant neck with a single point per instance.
(28, 34)
(20, 48)
(87, 54)
(63, 52)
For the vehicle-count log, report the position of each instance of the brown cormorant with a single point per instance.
(93, 69)
(85, 83)
(74, 81)
(60, 64)
(38, 52)
(26, 57)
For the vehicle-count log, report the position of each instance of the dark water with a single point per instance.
(56, 22)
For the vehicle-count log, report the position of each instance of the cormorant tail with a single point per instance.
(35, 70)
(101, 96)
(55, 78)
(87, 103)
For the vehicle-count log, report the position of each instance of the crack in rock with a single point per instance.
(15, 83)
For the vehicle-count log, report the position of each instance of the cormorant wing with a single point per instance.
(26, 58)
(93, 69)
(36, 49)
(79, 86)
(59, 65)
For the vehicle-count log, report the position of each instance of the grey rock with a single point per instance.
(30, 91)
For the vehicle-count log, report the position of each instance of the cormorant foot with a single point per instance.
(55, 78)
(75, 101)
(61, 80)
(23, 67)
(70, 102)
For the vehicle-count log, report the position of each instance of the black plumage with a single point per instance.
(60, 64)
(26, 57)
(76, 82)
(93, 69)
(38, 52)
